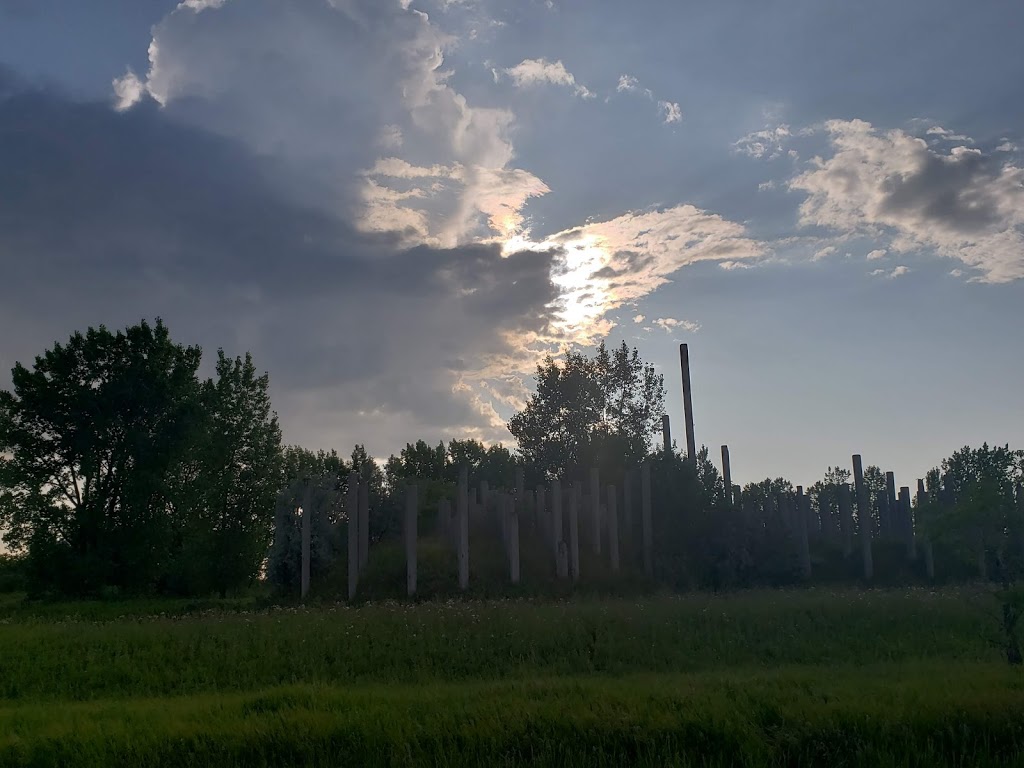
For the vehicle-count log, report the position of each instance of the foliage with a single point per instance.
(590, 411)
(321, 499)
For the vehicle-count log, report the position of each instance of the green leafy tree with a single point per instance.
(91, 435)
(590, 411)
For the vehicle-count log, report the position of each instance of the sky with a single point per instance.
(400, 206)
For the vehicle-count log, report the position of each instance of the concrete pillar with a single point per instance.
(863, 517)
(485, 493)
(627, 514)
(411, 531)
(666, 433)
(512, 506)
(595, 510)
(727, 476)
(801, 515)
(562, 561)
(691, 441)
(307, 514)
(520, 487)
(907, 523)
(352, 508)
(884, 516)
(737, 497)
(891, 524)
(645, 517)
(543, 518)
(846, 518)
(613, 528)
(574, 528)
(462, 517)
(364, 523)
(557, 528)
(926, 542)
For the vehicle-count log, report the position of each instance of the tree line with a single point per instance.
(123, 471)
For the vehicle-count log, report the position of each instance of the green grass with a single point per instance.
(841, 677)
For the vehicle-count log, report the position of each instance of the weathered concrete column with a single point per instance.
(863, 517)
(801, 515)
(485, 493)
(462, 516)
(907, 523)
(627, 515)
(595, 510)
(737, 497)
(645, 517)
(521, 486)
(541, 510)
(364, 523)
(562, 561)
(727, 476)
(411, 531)
(613, 528)
(926, 541)
(691, 441)
(666, 433)
(512, 513)
(557, 528)
(307, 515)
(889, 522)
(846, 518)
(352, 508)
(574, 528)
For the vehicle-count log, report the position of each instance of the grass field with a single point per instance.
(758, 678)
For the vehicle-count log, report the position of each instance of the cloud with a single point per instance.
(638, 319)
(824, 253)
(891, 274)
(671, 325)
(944, 135)
(530, 72)
(627, 83)
(365, 340)
(889, 185)
(671, 111)
(767, 143)
(878, 253)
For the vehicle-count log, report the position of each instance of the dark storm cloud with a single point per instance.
(107, 217)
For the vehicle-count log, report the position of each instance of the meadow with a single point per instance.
(816, 676)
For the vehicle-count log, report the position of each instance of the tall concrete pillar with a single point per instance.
(666, 433)
(352, 508)
(520, 485)
(727, 476)
(613, 528)
(627, 515)
(907, 523)
(801, 515)
(863, 517)
(645, 518)
(485, 494)
(884, 516)
(411, 530)
(364, 523)
(307, 516)
(512, 506)
(926, 541)
(462, 515)
(544, 524)
(562, 561)
(557, 528)
(574, 528)
(691, 442)
(846, 518)
(891, 521)
(595, 510)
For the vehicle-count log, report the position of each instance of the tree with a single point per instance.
(92, 433)
(590, 412)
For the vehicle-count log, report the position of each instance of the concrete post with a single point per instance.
(411, 530)
(520, 486)
(863, 517)
(926, 543)
(462, 516)
(884, 515)
(595, 510)
(846, 518)
(801, 517)
(512, 506)
(691, 442)
(364, 523)
(891, 521)
(666, 433)
(543, 519)
(557, 528)
(485, 494)
(562, 561)
(613, 528)
(907, 520)
(307, 514)
(727, 476)
(645, 517)
(737, 497)
(352, 508)
(574, 528)
(627, 514)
